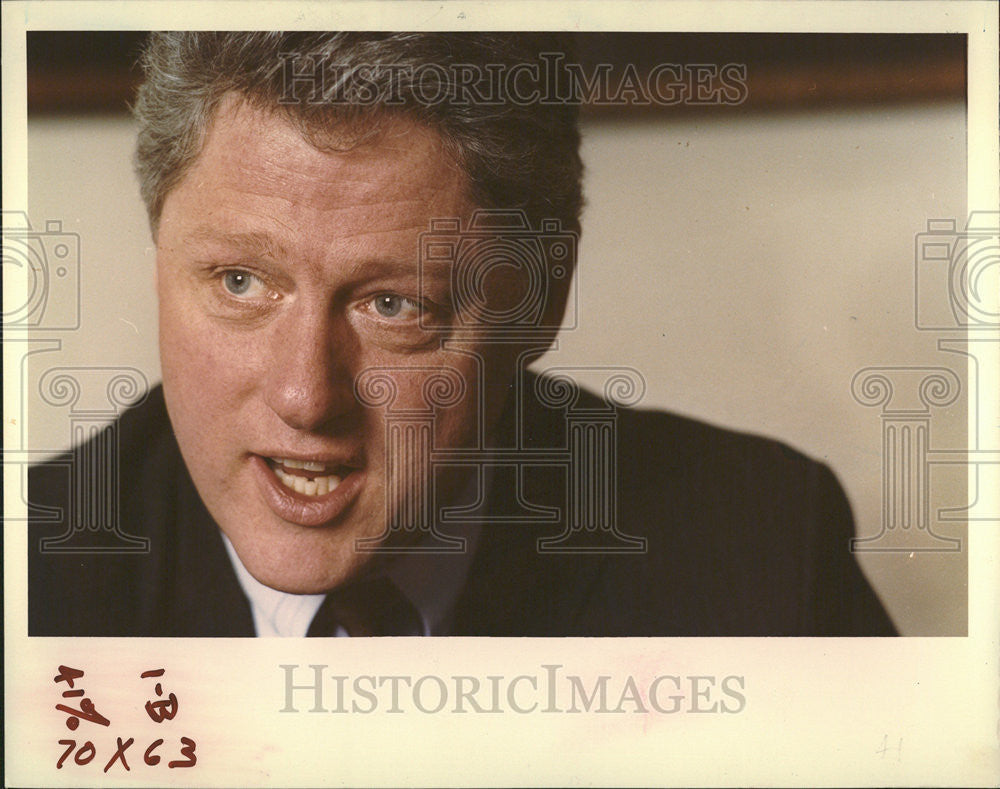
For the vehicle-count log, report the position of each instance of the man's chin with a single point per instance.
(304, 568)
(304, 583)
(300, 587)
(313, 560)
(301, 578)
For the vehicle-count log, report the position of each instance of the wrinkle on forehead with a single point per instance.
(416, 147)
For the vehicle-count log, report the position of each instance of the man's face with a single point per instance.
(283, 272)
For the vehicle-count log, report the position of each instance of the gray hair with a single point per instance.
(516, 154)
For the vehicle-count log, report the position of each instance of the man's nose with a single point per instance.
(310, 382)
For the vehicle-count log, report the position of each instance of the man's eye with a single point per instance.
(241, 283)
(389, 305)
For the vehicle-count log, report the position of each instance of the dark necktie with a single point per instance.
(373, 607)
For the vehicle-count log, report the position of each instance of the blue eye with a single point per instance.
(389, 305)
(238, 282)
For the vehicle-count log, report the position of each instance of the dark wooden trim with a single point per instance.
(73, 72)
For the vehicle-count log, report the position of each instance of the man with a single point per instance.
(362, 241)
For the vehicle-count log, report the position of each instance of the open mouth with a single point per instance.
(308, 492)
(308, 477)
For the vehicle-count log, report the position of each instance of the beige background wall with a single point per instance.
(747, 267)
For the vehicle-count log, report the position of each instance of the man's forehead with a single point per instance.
(386, 149)
(258, 180)
(253, 242)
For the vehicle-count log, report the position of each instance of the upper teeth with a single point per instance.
(310, 487)
(308, 465)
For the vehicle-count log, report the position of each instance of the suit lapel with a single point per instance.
(514, 589)
(205, 597)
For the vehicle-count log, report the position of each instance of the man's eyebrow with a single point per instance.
(265, 245)
(252, 242)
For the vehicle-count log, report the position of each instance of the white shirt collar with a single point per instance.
(274, 613)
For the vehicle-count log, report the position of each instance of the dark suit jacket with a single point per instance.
(745, 537)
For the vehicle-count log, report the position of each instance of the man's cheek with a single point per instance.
(204, 387)
(198, 348)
